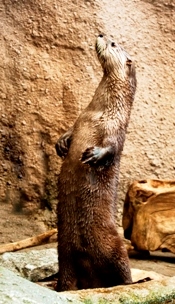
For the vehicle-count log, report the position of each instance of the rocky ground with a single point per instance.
(19, 290)
(40, 265)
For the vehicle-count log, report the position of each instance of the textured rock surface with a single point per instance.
(149, 215)
(49, 73)
(34, 265)
(18, 290)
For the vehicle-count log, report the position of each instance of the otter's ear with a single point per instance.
(131, 71)
(132, 75)
(128, 62)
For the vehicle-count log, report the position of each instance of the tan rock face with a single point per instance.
(44, 48)
(149, 215)
(49, 72)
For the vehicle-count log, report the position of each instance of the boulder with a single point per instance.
(33, 265)
(149, 215)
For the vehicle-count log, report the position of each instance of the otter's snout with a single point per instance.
(100, 44)
(104, 44)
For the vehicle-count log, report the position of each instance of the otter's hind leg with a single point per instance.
(86, 274)
(67, 279)
(111, 261)
(120, 268)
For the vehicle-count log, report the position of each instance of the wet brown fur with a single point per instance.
(91, 253)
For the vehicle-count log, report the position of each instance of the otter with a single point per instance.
(91, 252)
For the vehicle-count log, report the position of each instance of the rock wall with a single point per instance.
(49, 73)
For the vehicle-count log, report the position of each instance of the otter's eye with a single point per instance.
(113, 44)
(101, 36)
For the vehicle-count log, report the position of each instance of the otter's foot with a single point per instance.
(63, 143)
(98, 156)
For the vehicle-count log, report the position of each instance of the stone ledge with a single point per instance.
(14, 289)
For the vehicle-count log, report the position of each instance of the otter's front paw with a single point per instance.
(91, 155)
(62, 146)
(98, 156)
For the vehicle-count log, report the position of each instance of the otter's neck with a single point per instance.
(113, 95)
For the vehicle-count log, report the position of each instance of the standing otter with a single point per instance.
(91, 253)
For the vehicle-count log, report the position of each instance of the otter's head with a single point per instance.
(115, 60)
